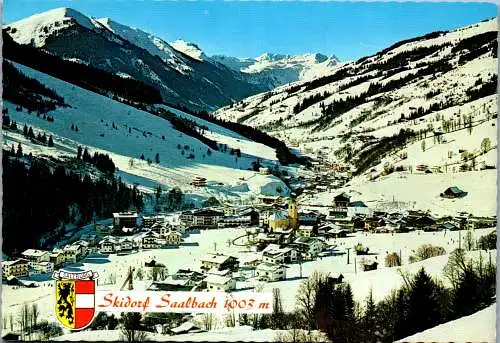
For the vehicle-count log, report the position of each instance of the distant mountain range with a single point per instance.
(180, 70)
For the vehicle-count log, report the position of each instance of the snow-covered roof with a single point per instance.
(34, 252)
(215, 258)
(270, 267)
(19, 260)
(217, 279)
(187, 326)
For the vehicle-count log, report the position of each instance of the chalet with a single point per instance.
(57, 258)
(269, 200)
(342, 200)
(207, 217)
(271, 272)
(187, 278)
(15, 268)
(150, 240)
(453, 192)
(125, 245)
(309, 246)
(219, 261)
(450, 226)
(36, 256)
(219, 283)
(108, 245)
(173, 238)
(124, 219)
(159, 228)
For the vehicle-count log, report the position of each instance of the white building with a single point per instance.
(15, 268)
(219, 283)
(36, 256)
(271, 272)
(358, 208)
(44, 267)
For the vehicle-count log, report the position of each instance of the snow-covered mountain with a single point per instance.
(275, 70)
(182, 72)
(182, 76)
(405, 106)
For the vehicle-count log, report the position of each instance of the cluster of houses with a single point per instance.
(36, 261)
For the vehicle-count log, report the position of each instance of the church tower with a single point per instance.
(293, 214)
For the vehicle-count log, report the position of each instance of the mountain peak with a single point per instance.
(190, 49)
(34, 29)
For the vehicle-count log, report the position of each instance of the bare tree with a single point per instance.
(426, 251)
(35, 312)
(469, 240)
(306, 297)
(208, 321)
(392, 260)
(456, 266)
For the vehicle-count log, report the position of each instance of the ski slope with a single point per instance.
(138, 132)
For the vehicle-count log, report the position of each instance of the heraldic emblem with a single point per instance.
(75, 298)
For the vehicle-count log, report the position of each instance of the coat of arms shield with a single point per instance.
(75, 302)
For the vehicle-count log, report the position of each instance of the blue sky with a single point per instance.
(348, 30)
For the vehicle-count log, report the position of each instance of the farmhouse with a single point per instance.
(305, 231)
(453, 192)
(57, 258)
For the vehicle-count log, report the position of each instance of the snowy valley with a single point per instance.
(361, 194)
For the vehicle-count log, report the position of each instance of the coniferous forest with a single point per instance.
(44, 199)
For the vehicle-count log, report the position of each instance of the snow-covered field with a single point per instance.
(478, 327)
(236, 334)
(381, 281)
(421, 191)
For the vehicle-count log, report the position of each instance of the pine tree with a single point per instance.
(19, 152)
(369, 320)
(423, 303)
(51, 142)
(76, 128)
(157, 158)
(72, 127)
(79, 152)
(25, 130)
(31, 134)
(12, 151)
(142, 157)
